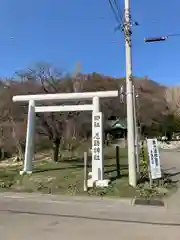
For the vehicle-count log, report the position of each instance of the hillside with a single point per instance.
(151, 106)
(152, 100)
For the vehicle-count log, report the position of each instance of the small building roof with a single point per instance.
(117, 124)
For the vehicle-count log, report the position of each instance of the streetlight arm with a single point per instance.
(155, 39)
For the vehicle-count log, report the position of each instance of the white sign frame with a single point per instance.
(154, 158)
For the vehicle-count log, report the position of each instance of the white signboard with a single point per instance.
(97, 146)
(154, 158)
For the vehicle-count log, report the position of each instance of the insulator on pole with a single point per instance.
(156, 39)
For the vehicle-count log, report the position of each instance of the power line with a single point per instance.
(85, 18)
(115, 11)
(119, 16)
(173, 35)
(119, 10)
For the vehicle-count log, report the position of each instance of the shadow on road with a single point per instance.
(171, 173)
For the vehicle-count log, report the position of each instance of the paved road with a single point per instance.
(24, 216)
(47, 217)
(170, 161)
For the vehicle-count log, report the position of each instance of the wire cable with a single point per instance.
(115, 11)
(121, 15)
(173, 35)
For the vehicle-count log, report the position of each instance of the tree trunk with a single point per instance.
(19, 150)
(56, 145)
(20, 155)
(2, 154)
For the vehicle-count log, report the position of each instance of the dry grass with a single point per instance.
(66, 176)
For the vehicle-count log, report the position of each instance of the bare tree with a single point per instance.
(50, 80)
(19, 138)
(172, 96)
(16, 117)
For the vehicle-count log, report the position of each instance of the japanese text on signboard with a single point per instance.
(97, 136)
(154, 158)
(156, 155)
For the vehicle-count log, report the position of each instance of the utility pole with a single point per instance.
(136, 131)
(129, 95)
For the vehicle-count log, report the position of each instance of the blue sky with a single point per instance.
(63, 32)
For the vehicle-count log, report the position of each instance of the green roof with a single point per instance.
(116, 124)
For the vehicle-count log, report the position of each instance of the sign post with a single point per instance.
(154, 158)
(97, 147)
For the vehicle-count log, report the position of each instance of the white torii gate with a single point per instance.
(97, 164)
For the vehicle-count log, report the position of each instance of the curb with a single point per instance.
(64, 198)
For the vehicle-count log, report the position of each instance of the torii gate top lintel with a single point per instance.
(66, 96)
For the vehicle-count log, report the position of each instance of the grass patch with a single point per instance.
(66, 177)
